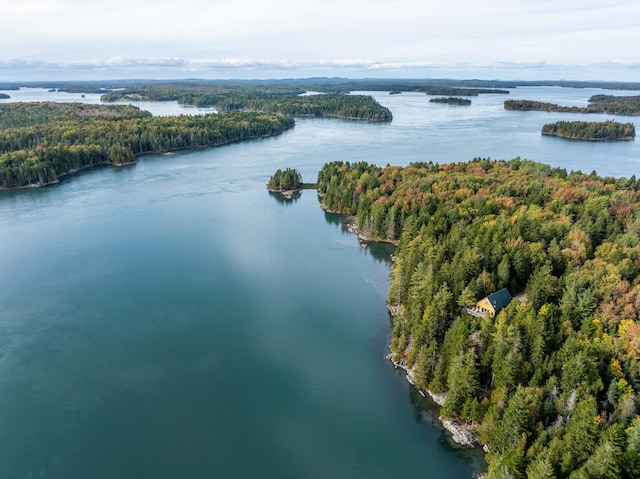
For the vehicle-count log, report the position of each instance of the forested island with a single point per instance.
(590, 130)
(287, 101)
(40, 142)
(4, 96)
(286, 182)
(451, 101)
(550, 384)
(617, 105)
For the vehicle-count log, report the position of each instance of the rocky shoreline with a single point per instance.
(462, 434)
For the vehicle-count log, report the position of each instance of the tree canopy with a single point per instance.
(39, 142)
(551, 383)
(590, 130)
(289, 179)
(615, 105)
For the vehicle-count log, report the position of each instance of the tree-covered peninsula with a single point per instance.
(551, 383)
(451, 100)
(288, 101)
(590, 130)
(40, 142)
(4, 96)
(615, 105)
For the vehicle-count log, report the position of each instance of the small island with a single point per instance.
(451, 100)
(590, 130)
(287, 183)
(4, 96)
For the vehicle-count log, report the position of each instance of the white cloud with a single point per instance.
(282, 34)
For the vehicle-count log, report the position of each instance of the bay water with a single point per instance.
(173, 319)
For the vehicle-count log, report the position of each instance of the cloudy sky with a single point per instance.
(506, 39)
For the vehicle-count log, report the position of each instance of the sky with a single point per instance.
(501, 39)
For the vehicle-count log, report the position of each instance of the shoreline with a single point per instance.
(352, 227)
(575, 138)
(170, 152)
(461, 434)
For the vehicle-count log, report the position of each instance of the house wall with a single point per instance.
(485, 305)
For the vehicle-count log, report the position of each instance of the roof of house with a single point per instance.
(500, 299)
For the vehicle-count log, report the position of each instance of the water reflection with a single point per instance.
(289, 200)
(379, 251)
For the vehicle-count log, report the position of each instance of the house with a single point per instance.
(492, 304)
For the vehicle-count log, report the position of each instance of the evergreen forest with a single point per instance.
(40, 142)
(550, 385)
(590, 130)
(289, 179)
(451, 100)
(288, 101)
(615, 105)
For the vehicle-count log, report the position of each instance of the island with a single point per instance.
(452, 100)
(616, 105)
(590, 130)
(515, 305)
(4, 96)
(288, 183)
(41, 142)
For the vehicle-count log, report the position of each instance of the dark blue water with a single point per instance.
(173, 319)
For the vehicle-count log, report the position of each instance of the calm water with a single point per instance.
(172, 319)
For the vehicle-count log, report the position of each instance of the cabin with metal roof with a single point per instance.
(492, 304)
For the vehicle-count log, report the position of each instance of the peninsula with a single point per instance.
(41, 142)
(548, 382)
(616, 105)
(272, 99)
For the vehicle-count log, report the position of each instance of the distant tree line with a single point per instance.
(85, 135)
(451, 100)
(590, 130)
(325, 85)
(4, 96)
(617, 105)
(551, 383)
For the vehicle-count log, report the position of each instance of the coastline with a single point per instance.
(130, 163)
(352, 227)
(575, 138)
(462, 434)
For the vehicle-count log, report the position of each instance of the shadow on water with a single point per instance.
(427, 411)
(285, 201)
(379, 251)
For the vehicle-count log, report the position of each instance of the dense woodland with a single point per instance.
(551, 384)
(289, 179)
(615, 105)
(452, 100)
(590, 130)
(62, 138)
(288, 101)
